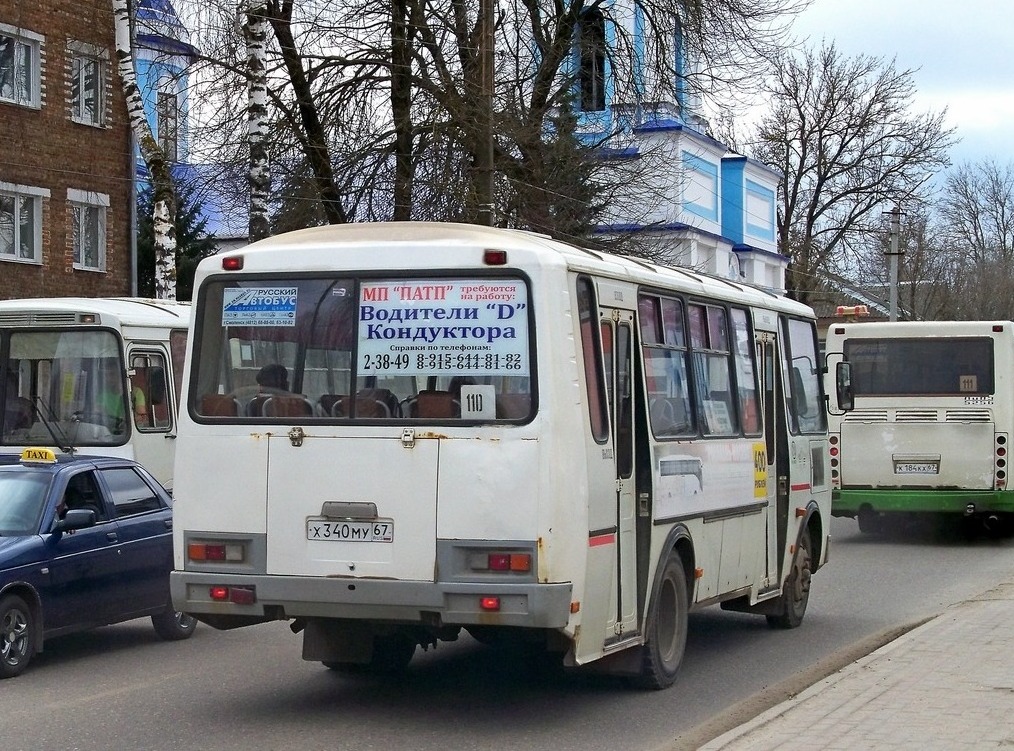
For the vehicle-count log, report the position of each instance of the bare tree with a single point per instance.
(255, 35)
(164, 197)
(374, 102)
(976, 222)
(843, 133)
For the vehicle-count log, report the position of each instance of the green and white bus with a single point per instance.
(933, 417)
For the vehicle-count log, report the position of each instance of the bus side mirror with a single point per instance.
(843, 386)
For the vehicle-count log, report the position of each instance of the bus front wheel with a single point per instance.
(662, 653)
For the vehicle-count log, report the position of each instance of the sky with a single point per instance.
(961, 54)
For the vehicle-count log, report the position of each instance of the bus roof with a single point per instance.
(60, 311)
(314, 249)
(915, 329)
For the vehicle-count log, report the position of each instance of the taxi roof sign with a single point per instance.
(42, 455)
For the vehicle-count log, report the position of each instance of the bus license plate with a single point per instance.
(916, 468)
(350, 531)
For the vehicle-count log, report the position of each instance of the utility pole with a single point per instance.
(484, 157)
(893, 259)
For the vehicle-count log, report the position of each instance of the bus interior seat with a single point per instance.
(255, 407)
(389, 406)
(436, 404)
(296, 405)
(219, 405)
(328, 402)
(513, 406)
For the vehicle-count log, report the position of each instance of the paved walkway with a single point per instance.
(948, 684)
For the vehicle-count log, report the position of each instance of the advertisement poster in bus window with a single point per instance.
(444, 326)
(259, 306)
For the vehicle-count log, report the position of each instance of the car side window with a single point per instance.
(83, 493)
(129, 492)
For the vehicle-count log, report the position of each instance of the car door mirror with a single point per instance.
(77, 518)
(843, 387)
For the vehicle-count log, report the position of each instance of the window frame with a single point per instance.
(20, 195)
(166, 104)
(79, 201)
(80, 55)
(592, 48)
(31, 68)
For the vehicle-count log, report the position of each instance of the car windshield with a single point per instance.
(23, 496)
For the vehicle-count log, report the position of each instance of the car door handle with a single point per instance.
(168, 523)
(111, 536)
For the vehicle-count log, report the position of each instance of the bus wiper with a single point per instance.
(52, 427)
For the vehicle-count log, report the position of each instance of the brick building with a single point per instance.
(65, 152)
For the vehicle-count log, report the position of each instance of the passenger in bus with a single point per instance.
(273, 378)
(110, 399)
(17, 409)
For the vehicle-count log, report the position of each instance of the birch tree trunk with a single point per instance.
(255, 35)
(163, 195)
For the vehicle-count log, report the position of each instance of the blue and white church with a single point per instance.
(689, 200)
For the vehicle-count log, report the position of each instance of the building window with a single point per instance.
(20, 68)
(21, 223)
(592, 43)
(168, 130)
(88, 219)
(87, 86)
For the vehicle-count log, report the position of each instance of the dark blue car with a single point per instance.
(84, 542)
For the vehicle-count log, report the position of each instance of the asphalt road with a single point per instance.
(120, 687)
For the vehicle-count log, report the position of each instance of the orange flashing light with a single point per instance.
(851, 311)
(575, 607)
(698, 573)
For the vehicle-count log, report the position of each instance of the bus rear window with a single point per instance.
(364, 349)
(907, 367)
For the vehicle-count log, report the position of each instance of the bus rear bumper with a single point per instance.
(241, 600)
(850, 503)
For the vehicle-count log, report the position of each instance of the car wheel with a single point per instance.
(17, 636)
(172, 625)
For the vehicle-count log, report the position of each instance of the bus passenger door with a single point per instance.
(153, 415)
(777, 449)
(617, 346)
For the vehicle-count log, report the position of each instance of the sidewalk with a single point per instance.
(947, 684)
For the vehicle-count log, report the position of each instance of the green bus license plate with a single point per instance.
(349, 531)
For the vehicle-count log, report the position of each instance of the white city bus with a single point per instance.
(486, 429)
(934, 411)
(93, 376)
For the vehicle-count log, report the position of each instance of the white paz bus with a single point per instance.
(488, 430)
(93, 376)
(933, 417)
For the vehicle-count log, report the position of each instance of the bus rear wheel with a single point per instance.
(796, 592)
(666, 632)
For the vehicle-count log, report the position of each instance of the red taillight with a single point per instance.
(833, 451)
(1001, 451)
(493, 257)
(237, 595)
(489, 603)
(215, 551)
(509, 562)
(232, 263)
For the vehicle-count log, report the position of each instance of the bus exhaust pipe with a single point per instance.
(991, 523)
